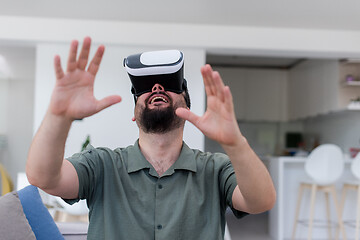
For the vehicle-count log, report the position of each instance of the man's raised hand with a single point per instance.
(73, 95)
(219, 121)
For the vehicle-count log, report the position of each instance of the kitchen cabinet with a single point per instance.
(317, 87)
(258, 94)
(311, 88)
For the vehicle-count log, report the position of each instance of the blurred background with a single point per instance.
(292, 67)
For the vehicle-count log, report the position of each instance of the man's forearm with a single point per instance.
(253, 178)
(46, 152)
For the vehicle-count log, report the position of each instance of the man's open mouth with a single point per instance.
(158, 98)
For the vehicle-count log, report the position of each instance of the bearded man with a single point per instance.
(158, 188)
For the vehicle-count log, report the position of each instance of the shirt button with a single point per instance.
(159, 226)
(160, 186)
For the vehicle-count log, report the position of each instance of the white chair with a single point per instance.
(354, 185)
(324, 166)
(77, 212)
(58, 208)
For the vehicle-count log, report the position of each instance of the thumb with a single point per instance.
(107, 102)
(187, 115)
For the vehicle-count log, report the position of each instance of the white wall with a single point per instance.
(113, 126)
(17, 112)
(4, 90)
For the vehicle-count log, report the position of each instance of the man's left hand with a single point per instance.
(219, 121)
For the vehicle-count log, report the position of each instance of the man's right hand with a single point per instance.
(73, 95)
(72, 98)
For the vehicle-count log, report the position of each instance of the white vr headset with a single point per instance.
(162, 67)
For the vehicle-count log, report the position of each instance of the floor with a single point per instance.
(251, 227)
(255, 227)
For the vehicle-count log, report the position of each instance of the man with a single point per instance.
(159, 188)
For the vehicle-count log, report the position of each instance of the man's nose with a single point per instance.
(157, 88)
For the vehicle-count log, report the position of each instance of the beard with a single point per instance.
(159, 120)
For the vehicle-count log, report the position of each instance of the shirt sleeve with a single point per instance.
(228, 184)
(88, 169)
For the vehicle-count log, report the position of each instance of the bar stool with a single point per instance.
(324, 165)
(354, 185)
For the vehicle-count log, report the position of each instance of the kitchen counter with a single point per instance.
(287, 172)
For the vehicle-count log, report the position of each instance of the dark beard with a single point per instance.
(159, 120)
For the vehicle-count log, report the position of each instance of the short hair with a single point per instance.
(187, 98)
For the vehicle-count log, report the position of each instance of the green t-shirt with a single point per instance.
(128, 200)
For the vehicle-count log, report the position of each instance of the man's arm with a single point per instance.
(255, 192)
(72, 99)
(46, 167)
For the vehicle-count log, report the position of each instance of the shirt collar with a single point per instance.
(137, 161)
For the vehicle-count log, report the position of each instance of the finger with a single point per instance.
(59, 73)
(95, 62)
(71, 64)
(107, 102)
(186, 114)
(229, 103)
(84, 54)
(210, 73)
(206, 73)
(219, 85)
(206, 81)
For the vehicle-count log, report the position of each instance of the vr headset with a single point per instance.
(162, 67)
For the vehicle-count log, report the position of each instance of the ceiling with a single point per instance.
(305, 14)
(318, 14)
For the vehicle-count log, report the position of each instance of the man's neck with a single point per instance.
(161, 150)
